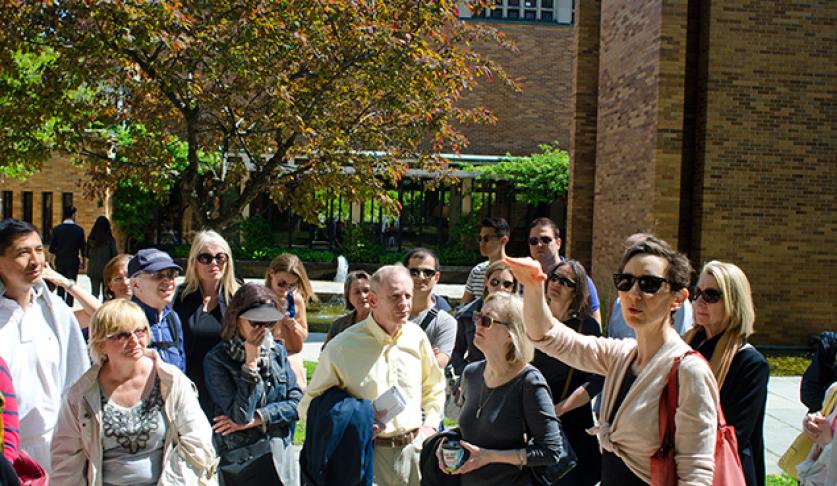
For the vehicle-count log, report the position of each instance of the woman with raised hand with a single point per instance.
(132, 418)
(252, 386)
(117, 281)
(200, 302)
(498, 278)
(287, 278)
(506, 400)
(724, 317)
(572, 389)
(100, 248)
(652, 282)
(356, 297)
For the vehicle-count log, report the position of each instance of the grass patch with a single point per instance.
(783, 480)
(788, 363)
(299, 433)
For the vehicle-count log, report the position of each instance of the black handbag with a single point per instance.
(248, 465)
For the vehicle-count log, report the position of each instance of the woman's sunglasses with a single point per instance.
(126, 335)
(649, 284)
(486, 322)
(562, 280)
(206, 258)
(507, 284)
(710, 296)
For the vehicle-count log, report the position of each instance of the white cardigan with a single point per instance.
(633, 435)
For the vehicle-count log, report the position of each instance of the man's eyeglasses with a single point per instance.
(486, 322)
(487, 238)
(206, 258)
(425, 272)
(540, 240)
(496, 282)
(126, 335)
(710, 296)
(562, 280)
(170, 274)
(649, 284)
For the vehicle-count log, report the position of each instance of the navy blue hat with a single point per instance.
(150, 260)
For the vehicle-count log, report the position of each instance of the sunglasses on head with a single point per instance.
(649, 284)
(544, 240)
(562, 280)
(486, 322)
(126, 335)
(507, 284)
(426, 272)
(710, 296)
(206, 258)
(487, 238)
(170, 274)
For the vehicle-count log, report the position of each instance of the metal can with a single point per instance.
(453, 455)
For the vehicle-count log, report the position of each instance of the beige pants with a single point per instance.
(398, 466)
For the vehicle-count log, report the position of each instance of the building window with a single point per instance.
(8, 200)
(27, 206)
(66, 201)
(546, 11)
(46, 216)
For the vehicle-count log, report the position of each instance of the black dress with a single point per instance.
(577, 421)
(743, 400)
(201, 332)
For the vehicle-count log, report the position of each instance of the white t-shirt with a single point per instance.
(441, 331)
(475, 284)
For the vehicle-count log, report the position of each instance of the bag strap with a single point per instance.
(668, 405)
(572, 370)
(173, 332)
(428, 318)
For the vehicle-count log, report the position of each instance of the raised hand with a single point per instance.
(526, 270)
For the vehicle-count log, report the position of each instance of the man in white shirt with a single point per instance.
(40, 339)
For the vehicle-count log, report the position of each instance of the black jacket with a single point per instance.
(67, 243)
(821, 373)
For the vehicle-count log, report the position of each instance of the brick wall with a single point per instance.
(766, 169)
(542, 113)
(58, 176)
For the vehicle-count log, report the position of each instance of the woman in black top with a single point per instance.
(101, 247)
(200, 303)
(573, 389)
(724, 319)
(505, 398)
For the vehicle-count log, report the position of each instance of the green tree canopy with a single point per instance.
(283, 96)
(538, 178)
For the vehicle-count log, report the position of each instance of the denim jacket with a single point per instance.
(240, 395)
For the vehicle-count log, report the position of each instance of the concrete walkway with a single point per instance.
(783, 420)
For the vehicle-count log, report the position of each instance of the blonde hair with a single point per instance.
(288, 262)
(739, 316)
(113, 317)
(520, 349)
(190, 280)
(384, 272)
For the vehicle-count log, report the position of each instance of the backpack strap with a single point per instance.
(428, 318)
(173, 332)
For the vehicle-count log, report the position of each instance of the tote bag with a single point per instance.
(801, 446)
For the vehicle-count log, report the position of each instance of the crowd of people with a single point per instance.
(203, 382)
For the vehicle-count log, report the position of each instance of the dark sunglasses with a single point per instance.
(649, 284)
(126, 335)
(507, 284)
(544, 240)
(710, 296)
(487, 321)
(426, 272)
(486, 238)
(259, 325)
(206, 258)
(562, 280)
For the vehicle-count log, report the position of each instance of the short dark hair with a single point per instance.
(351, 278)
(580, 307)
(421, 253)
(12, 229)
(543, 221)
(500, 226)
(679, 272)
(248, 296)
(69, 211)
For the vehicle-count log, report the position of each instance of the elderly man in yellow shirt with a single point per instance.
(380, 352)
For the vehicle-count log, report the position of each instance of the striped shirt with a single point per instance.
(9, 428)
(475, 285)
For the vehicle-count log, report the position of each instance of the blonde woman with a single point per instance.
(132, 418)
(200, 302)
(505, 398)
(724, 318)
(287, 278)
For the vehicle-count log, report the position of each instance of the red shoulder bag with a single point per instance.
(728, 470)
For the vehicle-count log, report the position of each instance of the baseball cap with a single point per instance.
(151, 260)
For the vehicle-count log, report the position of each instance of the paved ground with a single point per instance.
(784, 410)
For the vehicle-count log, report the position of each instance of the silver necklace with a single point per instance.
(484, 403)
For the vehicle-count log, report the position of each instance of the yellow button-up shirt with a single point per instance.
(365, 361)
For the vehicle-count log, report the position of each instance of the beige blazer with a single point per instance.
(633, 435)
